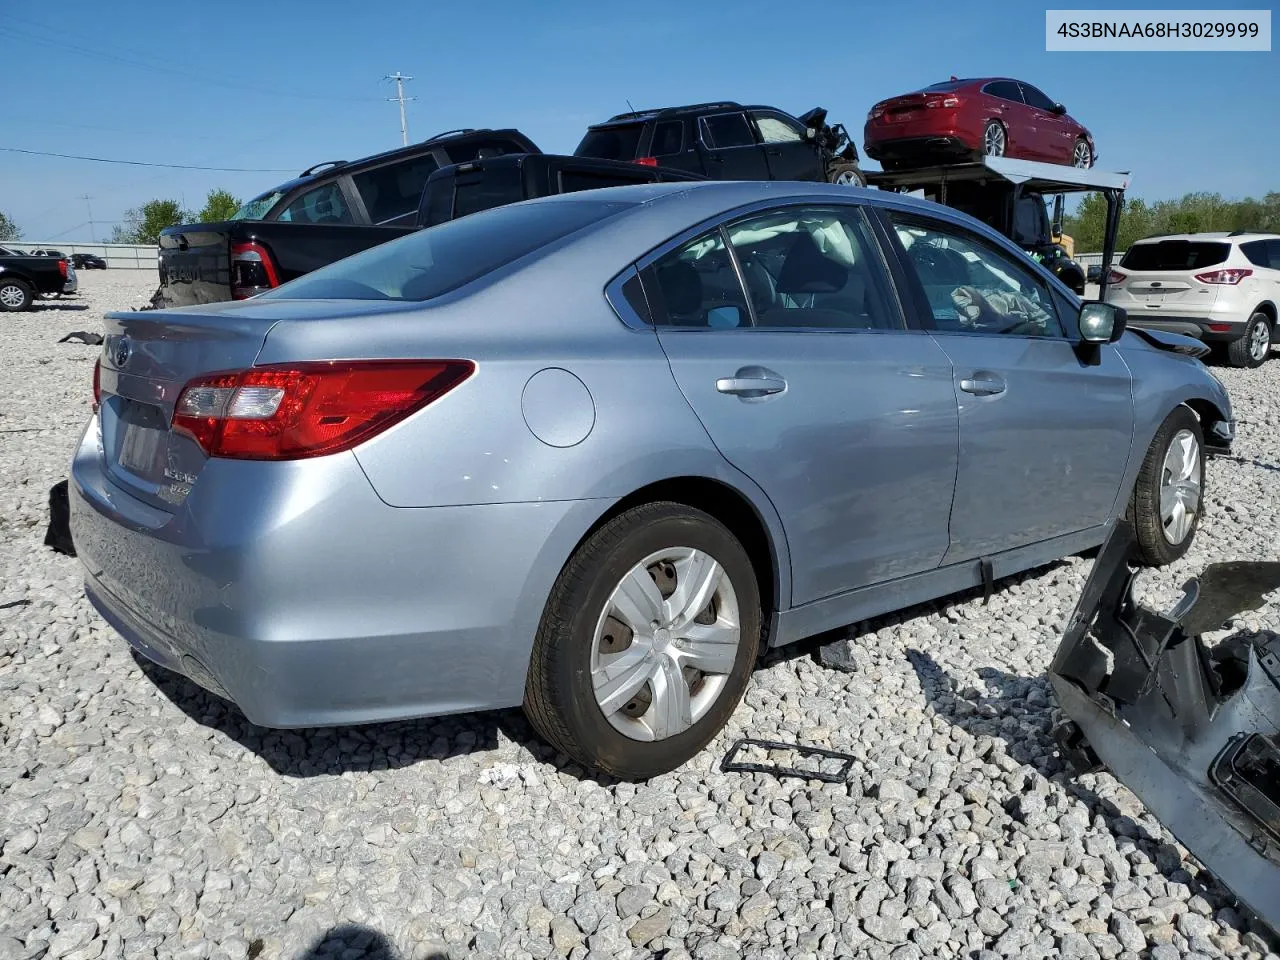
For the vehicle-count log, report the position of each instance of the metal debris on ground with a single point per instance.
(831, 766)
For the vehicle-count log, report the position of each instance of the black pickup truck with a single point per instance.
(328, 212)
(24, 278)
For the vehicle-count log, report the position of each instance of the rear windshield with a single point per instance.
(946, 86)
(495, 187)
(257, 208)
(1175, 255)
(431, 262)
(612, 143)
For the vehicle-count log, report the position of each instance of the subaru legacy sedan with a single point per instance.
(589, 453)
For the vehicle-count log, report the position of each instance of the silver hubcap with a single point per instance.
(993, 140)
(665, 644)
(848, 179)
(1259, 340)
(1180, 486)
(11, 296)
(1081, 156)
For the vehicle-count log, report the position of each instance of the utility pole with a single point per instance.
(86, 198)
(401, 99)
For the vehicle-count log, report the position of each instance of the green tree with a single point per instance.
(1193, 213)
(8, 229)
(143, 224)
(219, 205)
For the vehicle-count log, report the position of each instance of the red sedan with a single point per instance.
(967, 119)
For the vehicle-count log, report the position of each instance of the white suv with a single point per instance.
(1223, 288)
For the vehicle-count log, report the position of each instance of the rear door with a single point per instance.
(672, 145)
(1006, 105)
(729, 149)
(789, 155)
(1044, 433)
(814, 388)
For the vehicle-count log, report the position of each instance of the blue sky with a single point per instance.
(287, 84)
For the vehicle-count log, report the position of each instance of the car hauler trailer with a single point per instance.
(1009, 196)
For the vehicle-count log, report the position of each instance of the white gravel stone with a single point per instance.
(141, 817)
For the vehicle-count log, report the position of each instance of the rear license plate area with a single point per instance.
(144, 436)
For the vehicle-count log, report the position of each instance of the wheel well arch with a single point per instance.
(1206, 411)
(728, 505)
(1269, 308)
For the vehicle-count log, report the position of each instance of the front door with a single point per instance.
(813, 388)
(1045, 429)
(1054, 137)
(729, 149)
(789, 155)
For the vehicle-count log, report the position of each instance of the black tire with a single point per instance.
(1156, 547)
(850, 172)
(560, 699)
(15, 295)
(1244, 352)
(986, 150)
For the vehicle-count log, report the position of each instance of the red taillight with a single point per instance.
(876, 112)
(62, 268)
(293, 411)
(944, 102)
(1230, 276)
(97, 383)
(647, 161)
(252, 270)
(1115, 278)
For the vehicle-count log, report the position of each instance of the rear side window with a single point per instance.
(620, 142)
(393, 191)
(430, 263)
(1274, 247)
(1004, 89)
(668, 138)
(1175, 255)
(324, 204)
(697, 286)
(572, 181)
(723, 130)
(1256, 251)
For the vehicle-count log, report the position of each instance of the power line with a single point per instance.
(144, 163)
(400, 98)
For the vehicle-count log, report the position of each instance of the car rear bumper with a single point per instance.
(293, 591)
(1198, 327)
(925, 145)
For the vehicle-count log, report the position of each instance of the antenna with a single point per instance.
(401, 98)
(629, 106)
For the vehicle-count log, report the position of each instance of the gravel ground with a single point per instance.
(141, 817)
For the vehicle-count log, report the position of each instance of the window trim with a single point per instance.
(1070, 334)
(886, 279)
(1017, 85)
(726, 113)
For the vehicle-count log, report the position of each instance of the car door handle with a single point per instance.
(752, 383)
(982, 386)
(774, 151)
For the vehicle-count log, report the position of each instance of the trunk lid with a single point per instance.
(147, 359)
(906, 107)
(195, 264)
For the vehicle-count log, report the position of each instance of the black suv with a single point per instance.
(476, 185)
(727, 141)
(380, 190)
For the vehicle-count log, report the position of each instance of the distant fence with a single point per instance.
(119, 256)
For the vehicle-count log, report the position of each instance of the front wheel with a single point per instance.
(15, 295)
(647, 642)
(1168, 497)
(1254, 347)
(846, 174)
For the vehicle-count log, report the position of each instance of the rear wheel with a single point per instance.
(995, 141)
(846, 174)
(647, 642)
(1167, 498)
(1082, 154)
(14, 295)
(1254, 347)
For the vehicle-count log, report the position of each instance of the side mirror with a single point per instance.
(1102, 322)
(1059, 109)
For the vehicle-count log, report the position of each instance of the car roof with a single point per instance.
(642, 116)
(1237, 235)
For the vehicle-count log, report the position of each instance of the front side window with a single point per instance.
(1035, 98)
(394, 190)
(723, 130)
(972, 287)
(430, 263)
(257, 208)
(668, 138)
(813, 268)
(324, 204)
(775, 128)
